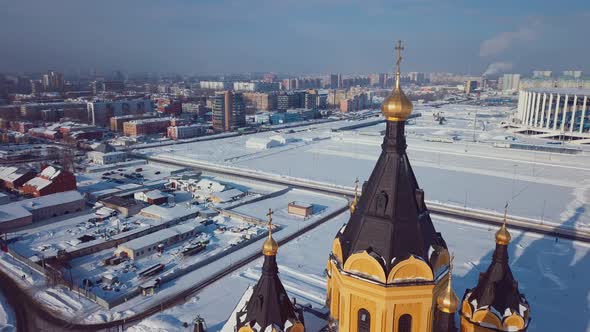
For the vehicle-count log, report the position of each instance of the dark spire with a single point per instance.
(444, 322)
(391, 219)
(269, 304)
(497, 287)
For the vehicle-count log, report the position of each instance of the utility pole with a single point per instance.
(474, 124)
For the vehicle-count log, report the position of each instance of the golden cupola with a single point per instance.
(447, 301)
(397, 107)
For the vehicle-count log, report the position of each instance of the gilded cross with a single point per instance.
(399, 47)
(269, 215)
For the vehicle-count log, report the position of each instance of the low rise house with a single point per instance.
(105, 154)
(154, 196)
(300, 209)
(127, 207)
(178, 212)
(227, 195)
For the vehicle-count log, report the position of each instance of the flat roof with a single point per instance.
(23, 208)
(170, 213)
(561, 91)
(160, 236)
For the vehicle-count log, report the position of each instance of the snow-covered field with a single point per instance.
(541, 185)
(551, 274)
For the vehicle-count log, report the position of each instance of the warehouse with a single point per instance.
(147, 245)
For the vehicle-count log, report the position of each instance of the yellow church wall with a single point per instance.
(385, 304)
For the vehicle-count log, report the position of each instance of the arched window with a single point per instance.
(405, 323)
(364, 321)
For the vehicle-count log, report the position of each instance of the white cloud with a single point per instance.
(504, 40)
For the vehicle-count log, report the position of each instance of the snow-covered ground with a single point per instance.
(7, 318)
(551, 275)
(541, 185)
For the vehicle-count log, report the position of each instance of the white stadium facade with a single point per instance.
(555, 112)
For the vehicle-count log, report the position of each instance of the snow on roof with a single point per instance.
(155, 194)
(13, 211)
(228, 195)
(12, 173)
(301, 204)
(161, 236)
(23, 208)
(562, 91)
(50, 172)
(212, 186)
(38, 183)
(169, 213)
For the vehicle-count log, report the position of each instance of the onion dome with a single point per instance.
(448, 301)
(397, 107)
(503, 237)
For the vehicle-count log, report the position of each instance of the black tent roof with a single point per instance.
(269, 303)
(497, 287)
(391, 219)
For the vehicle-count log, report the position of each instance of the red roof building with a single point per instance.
(51, 180)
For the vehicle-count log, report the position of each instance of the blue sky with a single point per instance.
(297, 36)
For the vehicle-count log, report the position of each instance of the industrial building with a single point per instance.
(28, 211)
(147, 245)
(51, 180)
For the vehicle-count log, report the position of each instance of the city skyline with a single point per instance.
(293, 37)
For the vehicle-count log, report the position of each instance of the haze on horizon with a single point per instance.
(297, 36)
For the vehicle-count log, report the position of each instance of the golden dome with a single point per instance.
(447, 301)
(503, 236)
(396, 107)
(270, 246)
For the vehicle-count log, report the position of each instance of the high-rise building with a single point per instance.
(53, 81)
(416, 77)
(37, 86)
(270, 77)
(541, 73)
(470, 86)
(572, 73)
(113, 86)
(229, 112)
(290, 100)
(334, 81)
(510, 82)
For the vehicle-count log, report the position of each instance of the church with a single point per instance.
(389, 269)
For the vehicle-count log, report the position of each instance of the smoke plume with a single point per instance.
(497, 68)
